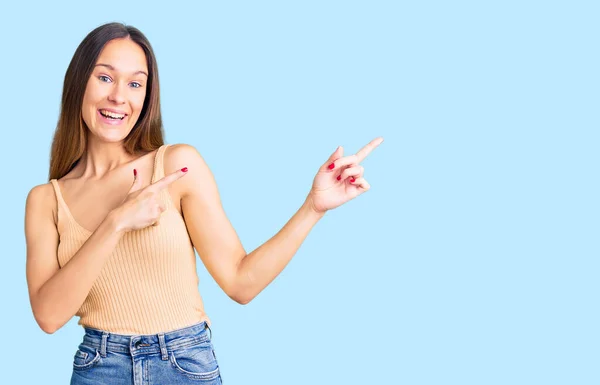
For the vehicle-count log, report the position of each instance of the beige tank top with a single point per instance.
(149, 283)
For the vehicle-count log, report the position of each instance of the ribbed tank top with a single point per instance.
(149, 283)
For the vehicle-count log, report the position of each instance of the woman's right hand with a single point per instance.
(142, 207)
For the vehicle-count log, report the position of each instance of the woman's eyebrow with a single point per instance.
(113, 69)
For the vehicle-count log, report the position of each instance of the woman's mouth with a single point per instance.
(111, 117)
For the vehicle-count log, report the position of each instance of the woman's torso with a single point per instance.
(149, 283)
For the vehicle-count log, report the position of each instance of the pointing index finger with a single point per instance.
(366, 150)
(168, 179)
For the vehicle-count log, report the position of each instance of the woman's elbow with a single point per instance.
(46, 326)
(240, 298)
(239, 294)
(46, 323)
(241, 291)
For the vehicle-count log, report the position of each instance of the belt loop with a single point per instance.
(208, 327)
(163, 346)
(103, 344)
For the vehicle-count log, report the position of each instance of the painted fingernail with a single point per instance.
(331, 166)
(184, 169)
(352, 180)
(134, 172)
(339, 177)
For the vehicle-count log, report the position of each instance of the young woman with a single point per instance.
(111, 238)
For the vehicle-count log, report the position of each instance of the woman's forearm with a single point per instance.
(260, 267)
(57, 301)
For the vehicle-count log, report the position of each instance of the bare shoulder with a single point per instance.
(41, 198)
(40, 209)
(182, 155)
(199, 176)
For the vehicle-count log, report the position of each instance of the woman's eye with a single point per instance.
(135, 85)
(104, 78)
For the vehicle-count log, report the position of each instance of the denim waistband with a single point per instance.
(146, 344)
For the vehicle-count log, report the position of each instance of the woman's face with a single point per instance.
(114, 95)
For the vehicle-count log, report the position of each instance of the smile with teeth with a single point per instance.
(111, 115)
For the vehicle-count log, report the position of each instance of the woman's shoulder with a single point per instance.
(180, 150)
(181, 155)
(41, 192)
(199, 176)
(46, 196)
(41, 199)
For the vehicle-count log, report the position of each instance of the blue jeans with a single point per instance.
(183, 356)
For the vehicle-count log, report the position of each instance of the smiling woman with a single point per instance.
(111, 237)
(113, 70)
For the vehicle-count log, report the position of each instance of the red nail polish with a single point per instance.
(331, 166)
(352, 180)
(134, 172)
(339, 177)
(184, 169)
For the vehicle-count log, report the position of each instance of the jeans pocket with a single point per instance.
(85, 358)
(197, 362)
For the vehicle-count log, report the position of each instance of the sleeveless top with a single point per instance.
(149, 283)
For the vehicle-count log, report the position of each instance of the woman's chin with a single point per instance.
(111, 136)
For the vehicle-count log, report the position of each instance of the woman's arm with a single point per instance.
(241, 276)
(57, 294)
(259, 268)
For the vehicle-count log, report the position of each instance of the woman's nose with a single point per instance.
(117, 94)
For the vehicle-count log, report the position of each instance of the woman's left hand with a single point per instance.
(340, 179)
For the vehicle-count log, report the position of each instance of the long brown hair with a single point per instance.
(70, 137)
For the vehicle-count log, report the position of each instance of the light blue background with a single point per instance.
(472, 260)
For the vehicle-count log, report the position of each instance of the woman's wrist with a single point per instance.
(114, 221)
(309, 207)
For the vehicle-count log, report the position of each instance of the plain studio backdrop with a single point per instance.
(472, 260)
